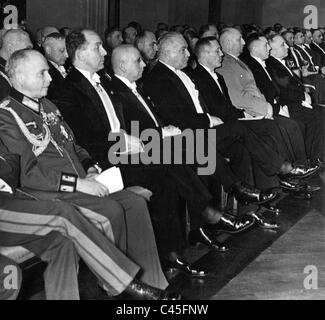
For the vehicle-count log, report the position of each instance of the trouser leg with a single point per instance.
(260, 151)
(141, 244)
(107, 262)
(292, 133)
(60, 276)
(314, 130)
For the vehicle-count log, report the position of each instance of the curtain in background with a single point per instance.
(97, 15)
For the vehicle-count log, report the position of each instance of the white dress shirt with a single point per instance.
(109, 108)
(189, 85)
(133, 87)
(214, 77)
(61, 69)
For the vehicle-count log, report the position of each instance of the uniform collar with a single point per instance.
(26, 101)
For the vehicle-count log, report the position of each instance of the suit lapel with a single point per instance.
(129, 96)
(177, 82)
(86, 90)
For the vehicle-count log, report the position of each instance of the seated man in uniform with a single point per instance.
(53, 167)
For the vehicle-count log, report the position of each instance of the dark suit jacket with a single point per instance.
(316, 49)
(291, 88)
(133, 110)
(4, 84)
(172, 101)
(218, 104)
(310, 60)
(57, 81)
(84, 111)
(269, 88)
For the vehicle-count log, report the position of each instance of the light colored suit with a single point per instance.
(242, 88)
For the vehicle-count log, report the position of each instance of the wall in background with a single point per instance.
(266, 12)
(290, 12)
(149, 12)
(58, 13)
(241, 11)
(74, 13)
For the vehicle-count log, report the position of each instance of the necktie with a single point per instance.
(138, 95)
(216, 79)
(295, 57)
(108, 105)
(63, 71)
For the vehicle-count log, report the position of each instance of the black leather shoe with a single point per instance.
(185, 267)
(301, 172)
(290, 185)
(138, 290)
(204, 236)
(298, 186)
(231, 224)
(265, 221)
(247, 194)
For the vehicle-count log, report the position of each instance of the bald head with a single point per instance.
(279, 48)
(260, 48)
(14, 40)
(172, 49)
(127, 62)
(28, 72)
(232, 42)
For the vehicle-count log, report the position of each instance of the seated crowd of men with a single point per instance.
(262, 104)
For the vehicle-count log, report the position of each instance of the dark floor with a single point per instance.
(244, 248)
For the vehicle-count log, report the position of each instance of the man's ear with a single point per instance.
(20, 79)
(79, 55)
(47, 50)
(122, 66)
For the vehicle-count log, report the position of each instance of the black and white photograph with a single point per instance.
(169, 151)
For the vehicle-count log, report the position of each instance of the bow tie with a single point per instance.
(96, 78)
(263, 64)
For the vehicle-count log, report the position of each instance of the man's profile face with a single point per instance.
(214, 55)
(289, 39)
(299, 39)
(308, 37)
(114, 39)
(178, 53)
(237, 42)
(279, 48)
(130, 34)
(318, 37)
(94, 52)
(134, 65)
(263, 48)
(149, 49)
(35, 76)
(58, 52)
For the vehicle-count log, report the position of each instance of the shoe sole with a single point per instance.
(234, 232)
(262, 202)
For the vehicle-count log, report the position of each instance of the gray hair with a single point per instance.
(167, 41)
(16, 59)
